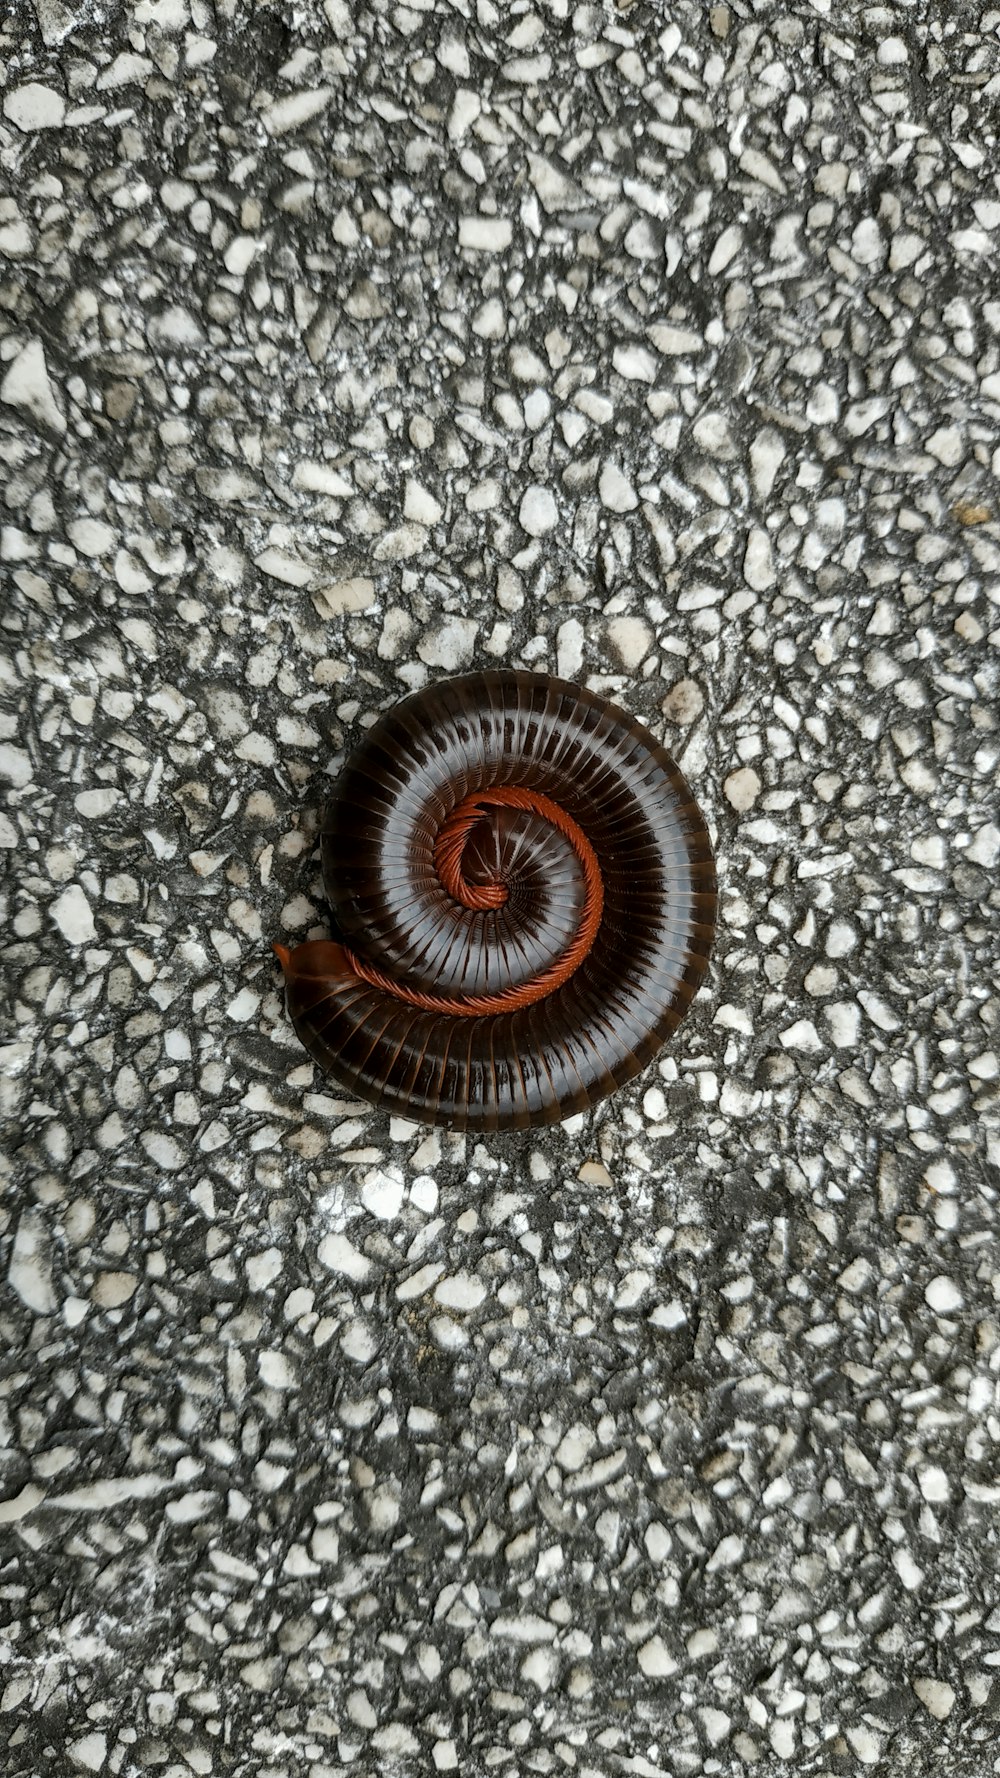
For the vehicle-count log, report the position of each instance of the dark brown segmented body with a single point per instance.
(620, 900)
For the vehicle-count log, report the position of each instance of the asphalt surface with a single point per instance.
(340, 348)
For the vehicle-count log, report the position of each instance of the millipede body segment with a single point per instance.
(524, 899)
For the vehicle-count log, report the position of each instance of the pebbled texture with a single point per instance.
(310, 1417)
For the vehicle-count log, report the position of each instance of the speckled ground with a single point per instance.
(341, 346)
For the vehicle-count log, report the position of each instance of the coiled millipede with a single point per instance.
(524, 899)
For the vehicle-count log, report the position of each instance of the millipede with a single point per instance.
(523, 896)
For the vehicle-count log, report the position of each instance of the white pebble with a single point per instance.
(726, 248)
(280, 565)
(538, 512)
(339, 596)
(631, 638)
(820, 980)
(35, 107)
(420, 505)
(675, 342)
(654, 1105)
(292, 112)
(72, 914)
(615, 489)
(844, 1019)
(382, 1193)
(758, 568)
(716, 1724)
(27, 386)
(937, 1697)
(462, 1291)
(943, 1295)
(727, 1553)
(175, 326)
(840, 939)
(939, 1175)
(490, 321)
(574, 1447)
(113, 1289)
(90, 536)
(669, 1315)
(655, 1659)
(90, 1752)
(537, 408)
(451, 644)
(632, 1289)
(766, 457)
(865, 1743)
(803, 1035)
(658, 1541)
(742, 788)
(485, 234)
(866, 242)
(985, 848)
(239, 255)
(635, 363)
(130, 574)
(358, 1342)
(424, 1193)
(263, 1268)
(947, 445)
(541, 1668)
(15, 765)
(30, 1271)
(684, 701)
(163, 1150)
(569, 648)
(126, 69)
(19, 1505)
(276, 1370)
(339, 1254)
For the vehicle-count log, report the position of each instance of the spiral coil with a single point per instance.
(524, 896)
